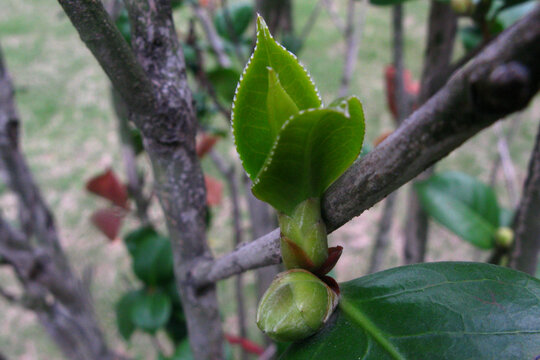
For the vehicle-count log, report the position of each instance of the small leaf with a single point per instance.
(462, 204)
(312, 151)
(151, 311)
(224, 82)
(205, 143)
(214, 191)
(153, 260)
(240, 15)
(431, 311)
(109, 187)
(251, 126)
(137, 237)
(124, 306)
(108, 221)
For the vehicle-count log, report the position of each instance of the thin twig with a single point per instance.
(228, 173)
(211, 35)
(353, 34)
(334, 16)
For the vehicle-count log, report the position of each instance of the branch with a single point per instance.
(473, 99)
(353, 34)
(526, 226)
(441, 36)
(211, 35)
(101, 36)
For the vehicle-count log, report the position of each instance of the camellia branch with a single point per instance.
(152, 80)
(473, 99)
(526, 226)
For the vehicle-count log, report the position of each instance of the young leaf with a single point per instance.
(432, 311)
(312, 151)
(463, 204)
(251, 126)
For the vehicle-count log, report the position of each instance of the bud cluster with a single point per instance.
(298, 302)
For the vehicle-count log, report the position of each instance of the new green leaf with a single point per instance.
(313, 149)
(151, 311)
(463, 204)
(251, 125)
(431, 311)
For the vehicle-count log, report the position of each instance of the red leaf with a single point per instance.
(205, 143)
(109, 187)
(412, 87)
(108, 221)
(214, 191)
(246, 344)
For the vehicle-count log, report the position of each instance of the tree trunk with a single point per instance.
(50, 287)
(440, 44)
(526, 225)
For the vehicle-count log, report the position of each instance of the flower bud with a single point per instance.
(296, 305)
(504, 237)
(304, 243)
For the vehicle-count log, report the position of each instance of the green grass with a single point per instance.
(69, 134)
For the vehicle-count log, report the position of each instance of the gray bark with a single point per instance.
(50, 287)
(524, 255)
(440, 43)
(402, 103)
(154, 86)
(473, 99)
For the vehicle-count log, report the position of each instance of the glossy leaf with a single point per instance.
(124, 306)
(313, 150)
(432, 311)
(153, 260)
(233, 21)
(224, 82)
(251, 127)
(151, 311)
(137, 237)
(464, 205)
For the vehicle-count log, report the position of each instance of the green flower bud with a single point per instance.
(504, 237)
(295, 306)
(304, 243)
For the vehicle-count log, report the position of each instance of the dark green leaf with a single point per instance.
(124, 306)
(151, 311)
(224, 81)
(432, 311)
(137, 141)
(471, 37)
(122, 24)
(239, 16)
(136, 237)
(251, 127)
(463, 204)
(510, 15)
(312, 151)
(153, 261)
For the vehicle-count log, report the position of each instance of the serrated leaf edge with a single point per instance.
(239, 85)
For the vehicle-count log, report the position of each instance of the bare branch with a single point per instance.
(509, 171)
(526, 226)
(353, 33)
(473, 99)
(211, 35)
